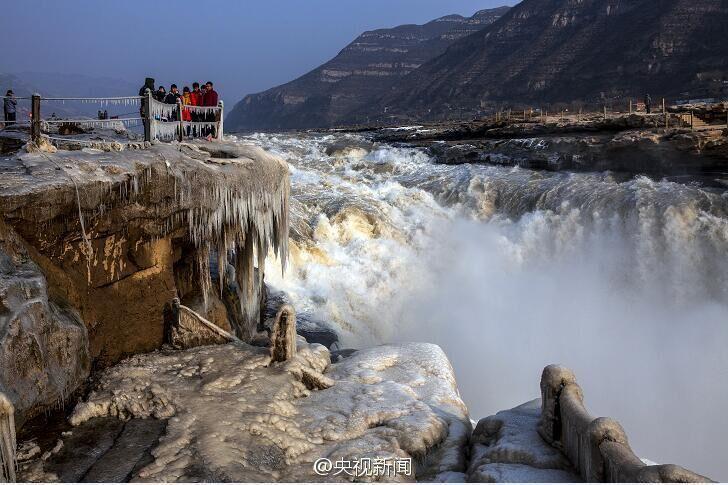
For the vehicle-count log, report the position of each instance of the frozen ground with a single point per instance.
(232, 417)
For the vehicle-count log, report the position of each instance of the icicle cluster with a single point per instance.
(162, 111)
(165, 130)
(7, 440)
(242, 228)
(198, 128)
(91, 123)
(202, 109)
(117, 101)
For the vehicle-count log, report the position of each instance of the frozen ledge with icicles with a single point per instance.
(95, 245)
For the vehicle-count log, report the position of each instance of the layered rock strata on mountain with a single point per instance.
(564, 51)
(364, 70)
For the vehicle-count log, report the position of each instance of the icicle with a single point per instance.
(243, 225)
(165, 130)
(161, 111)
(8, 461)
(203, 269)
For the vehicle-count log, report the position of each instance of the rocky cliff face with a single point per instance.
(362, 71)
(566, 50)
(43, 344)
(117, 238)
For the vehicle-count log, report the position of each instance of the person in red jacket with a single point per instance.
(196, 100)
(210, 96)
(210, 99)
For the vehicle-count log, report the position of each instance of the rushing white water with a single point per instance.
(625, 280)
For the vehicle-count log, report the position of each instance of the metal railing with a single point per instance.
(161, 121)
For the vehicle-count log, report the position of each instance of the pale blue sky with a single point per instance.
(245, 45)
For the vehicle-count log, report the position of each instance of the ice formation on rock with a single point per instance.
(7, 440)
(240, 223)
(139, 209)
(283, 335)
(507, 448)
(234, 416)
(43, 345)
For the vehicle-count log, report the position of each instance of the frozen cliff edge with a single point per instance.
(94, 244)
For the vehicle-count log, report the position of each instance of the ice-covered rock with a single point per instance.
(44, 352)
(507, 448)
(118, 235)
(235, 416)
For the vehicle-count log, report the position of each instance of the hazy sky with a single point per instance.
(244, 45)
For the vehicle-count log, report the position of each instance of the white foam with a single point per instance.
(625, 281)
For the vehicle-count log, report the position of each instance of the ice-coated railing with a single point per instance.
(597, 447)
(161, 121)
(167, 120)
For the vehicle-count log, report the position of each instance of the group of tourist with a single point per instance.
(200, 95)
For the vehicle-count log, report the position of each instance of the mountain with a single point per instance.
(571, 50)
(359, 74)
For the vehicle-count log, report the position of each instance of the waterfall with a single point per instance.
(623, 279)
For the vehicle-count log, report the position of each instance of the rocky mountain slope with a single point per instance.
(362, 71)
(566, 50)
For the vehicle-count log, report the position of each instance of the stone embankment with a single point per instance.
(630, 143)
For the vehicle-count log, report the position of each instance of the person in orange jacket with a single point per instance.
(187, 101)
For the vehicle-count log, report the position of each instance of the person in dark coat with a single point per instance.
(173, 95)
(160, 94)
(148, 84)
(648, 103)
(10, 108)
(172, 98)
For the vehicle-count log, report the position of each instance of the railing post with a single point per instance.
(171, 319)
(181, 122)
(283, 335)
(147, 114)
(35, 119)
(221, 114)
